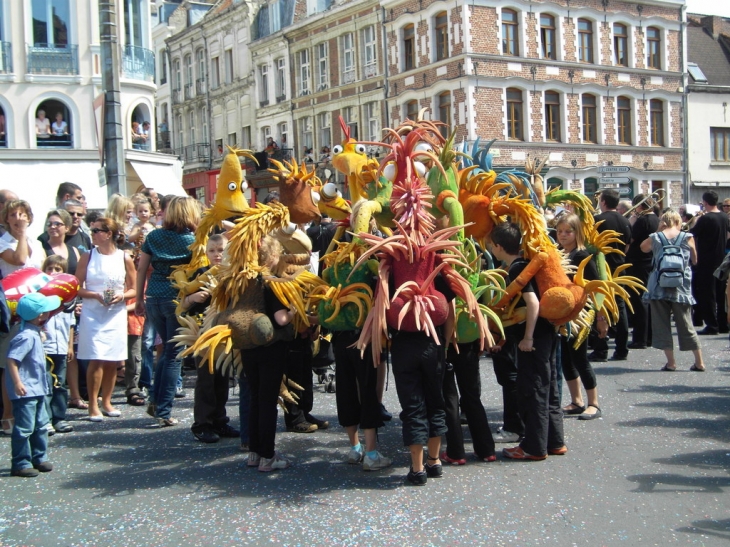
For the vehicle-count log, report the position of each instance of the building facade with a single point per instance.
(50, 69)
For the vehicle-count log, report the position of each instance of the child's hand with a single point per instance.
(495, 349)
(20, 389)
(139, 308)
(70, 354)
(199, 297)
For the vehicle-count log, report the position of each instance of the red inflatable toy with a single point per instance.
(28, 280)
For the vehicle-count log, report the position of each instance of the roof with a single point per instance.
(710, 55)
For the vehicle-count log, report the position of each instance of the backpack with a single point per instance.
(670, 264)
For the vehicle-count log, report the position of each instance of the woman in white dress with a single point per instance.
(106, 275)
(17, 251)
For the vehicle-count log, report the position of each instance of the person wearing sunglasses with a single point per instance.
(58, 222)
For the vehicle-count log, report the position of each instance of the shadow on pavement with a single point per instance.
(715, 528)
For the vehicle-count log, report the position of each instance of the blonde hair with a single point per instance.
(573, 222)
(182, 213)
(62, 214)
(269, 249)
(117, 208)
(671, 218)
(12, 206)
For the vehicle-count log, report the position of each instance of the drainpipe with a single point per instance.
(207, 100)
(685, 114)
(385, 66)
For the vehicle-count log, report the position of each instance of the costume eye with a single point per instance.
(360, 149)
(423, 147)
(290, 229)
(337, 149)
(316, 197)
(389, 172)
(244, 186)
(420, 168)
(329, 191)
(232, 186)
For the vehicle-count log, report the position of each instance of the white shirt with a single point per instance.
(43, 126)
(59, 128)
(35, 260)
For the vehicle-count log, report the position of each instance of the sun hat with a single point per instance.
(33, 304)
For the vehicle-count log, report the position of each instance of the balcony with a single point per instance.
(163, 142)
(195, 153)
(176, 96)
(371, 70)
(188, 91)
(348, 76)
(6, 58)
(200, 86)
(138, 63)
(263, 103)
(54, 141)
(49, 59)
(280, 99)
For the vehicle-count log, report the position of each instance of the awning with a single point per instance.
(160, 177)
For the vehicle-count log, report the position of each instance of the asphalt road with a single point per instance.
(652, 471)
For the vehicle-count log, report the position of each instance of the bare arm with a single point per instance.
(533, 308)
(81, 270)
(144, 264)
(692, 250)
(646, 245)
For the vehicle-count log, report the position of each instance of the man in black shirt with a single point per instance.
(611, 220)
(711, 234)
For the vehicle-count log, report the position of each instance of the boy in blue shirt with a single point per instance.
(27, 387)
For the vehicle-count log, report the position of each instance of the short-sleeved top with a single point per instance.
(59, 128)
(58, 330)
(27, 350)
(683, 294)
(710, 233)
(43, 126)
(576, 256)
(618, 223)
(644, 226)
(35, 260)
(516, 333)
(167, 249)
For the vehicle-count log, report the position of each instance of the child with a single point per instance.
(211, 390)
(143, 226)
(58, 346)
(536, 373)
(27, 387)
(133, 365)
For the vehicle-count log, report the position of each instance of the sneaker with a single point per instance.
(445, 457)
(167, 422)
(227, 431)
(50, 430)
(206, 436)
(558, 451)
(384, 414)
(271, 464)
(356, 454)
(595, 357)
(26, 472)
(253, 459)
(302, 427)
(63, 427)
(503, 436)
(488, 459)
(517, 453)
(375, 464)
(180, 393)
(321, 424)
(434, 471)
(44, 467)
(416, 478)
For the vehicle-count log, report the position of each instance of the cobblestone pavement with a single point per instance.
(652, 471)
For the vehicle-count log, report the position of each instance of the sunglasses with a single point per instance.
(97, 230)
(54, 224)
(77, 215)
(725, 206)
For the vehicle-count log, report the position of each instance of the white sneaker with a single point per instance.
(51, 430)
(253, 459)
(271, 464)
(374, 464)
(356, 455)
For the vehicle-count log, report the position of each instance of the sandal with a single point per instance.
(135, 400)
(78, 403)
(7, 426)
(577, 409)
(695, 368)
(667, 368)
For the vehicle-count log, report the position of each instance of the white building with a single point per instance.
(708, 105)
(50, 60)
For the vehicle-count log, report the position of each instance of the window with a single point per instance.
(264, 79)
(177, 75)
(304, 72)
(510, 27)
(590, 117)
(514, 114)
(409, 47)
(656, 120)
(552, 116)
(325, 132)
(215, 73)
(372, 114)
(180, 144)
(624, 120)
(228, 59)
(444, 105)
(653, 48)
(306, 131)
(412, 110)
(246, 137)
(232, 140)
(370, 60)
(720, 144)
(348, 114)
(620, 45)
(585, 41)
(283, 134)
(280, 79)
(547, 36)
(200, 61)
(188, 76)
(348, 59)
(219, 147)
(52, 114)
(442, 36)
(191, 125)
(163, 67)
(134, 23)
(204, 123)
(3, 140)
(322, 74)
(51, 23)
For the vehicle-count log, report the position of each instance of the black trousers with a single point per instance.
(575, 363)
(264, 367)
(504, 363)
(641, 323)
(211, 396)
(621, 328)
(706, 296)
(299, 369)
(357, 378)
(418, 370)
(464, 371)
(537, 389)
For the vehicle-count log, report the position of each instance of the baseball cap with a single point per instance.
(33, 304)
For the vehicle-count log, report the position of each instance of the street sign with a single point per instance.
(623, 191)
(613, 169)
(614, 180)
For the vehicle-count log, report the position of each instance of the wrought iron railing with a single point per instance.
(176, 96)
(52, 59)
(199, 152)
(188, 91)
(371, 70)
(200, 86)
(55, 141)
(6, 58)
(139, 63)
(348, 76)
(163, 141)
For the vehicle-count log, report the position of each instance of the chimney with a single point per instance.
(713, 24)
